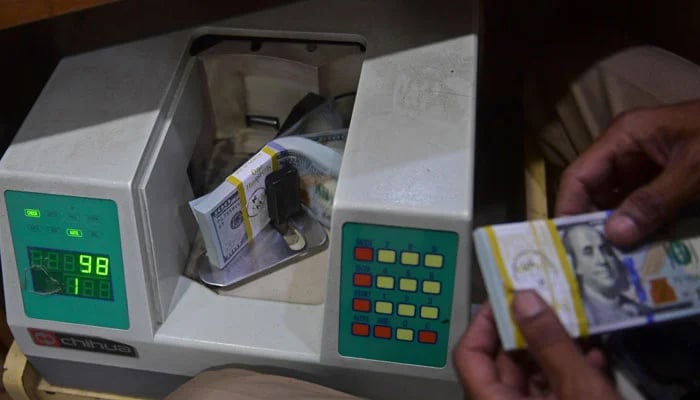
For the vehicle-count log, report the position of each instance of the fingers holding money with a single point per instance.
(569, 373)
(645, 164)
(656, 203)
(601, 178)
(482, 365)
(489, 372)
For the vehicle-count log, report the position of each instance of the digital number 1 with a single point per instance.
(72, 285)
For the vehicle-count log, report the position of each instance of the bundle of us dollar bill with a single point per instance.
(232, 215)
(592, 286)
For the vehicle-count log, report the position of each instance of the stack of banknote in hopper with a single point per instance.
(593, 286)
(231, 215)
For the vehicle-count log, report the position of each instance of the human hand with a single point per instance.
(647, 165)
(560, 370)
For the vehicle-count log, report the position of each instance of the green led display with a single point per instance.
(70, 273)
(68, 255)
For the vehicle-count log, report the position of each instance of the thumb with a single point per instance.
(547, 340)
(570, 376)
(650, 206)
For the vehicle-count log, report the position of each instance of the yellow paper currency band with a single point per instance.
(507, 283)
(244, 205)
(273, 155)
(571, 278)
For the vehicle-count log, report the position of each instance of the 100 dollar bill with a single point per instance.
(232, 215)
(593, 286)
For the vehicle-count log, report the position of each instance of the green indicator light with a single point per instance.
(32, 213)
(76, 286)
(74, 232)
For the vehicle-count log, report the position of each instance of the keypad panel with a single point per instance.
(396, 293)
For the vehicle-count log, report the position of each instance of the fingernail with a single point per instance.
(527, 304)
(622, 228)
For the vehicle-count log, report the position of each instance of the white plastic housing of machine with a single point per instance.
(96, 231)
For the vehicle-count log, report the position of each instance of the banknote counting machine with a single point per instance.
(96, 231)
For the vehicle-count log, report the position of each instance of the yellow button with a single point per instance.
(428, 312)
(407, 310)
(408, 285)
(433, 260)
(431, 287)
(409, 258)
(386, 256)
(385, 282)
(383, 307)
(404, 334)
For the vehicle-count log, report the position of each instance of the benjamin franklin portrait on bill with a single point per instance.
(602, 277)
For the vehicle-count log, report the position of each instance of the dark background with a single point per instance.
(516, 37)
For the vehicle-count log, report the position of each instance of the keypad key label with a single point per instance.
(386, 256)
(406, 310)
(408, 285)
(382, 332)
(384, 307)
(362, 305)
(428, 312)
(363, 254)
(385, 282)
(410, 258)
(431, 287)
(362, 280)
(405, 335)
(428, 337)
(360, 329)
(433, 260)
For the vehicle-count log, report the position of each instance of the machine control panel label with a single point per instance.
(396, 293)
(42, 337)
(68, 253)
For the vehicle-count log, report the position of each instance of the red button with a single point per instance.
(361, 305)
(362, 280)
(363, 254)
(429, 337)
(360, 329)
(382, 332)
